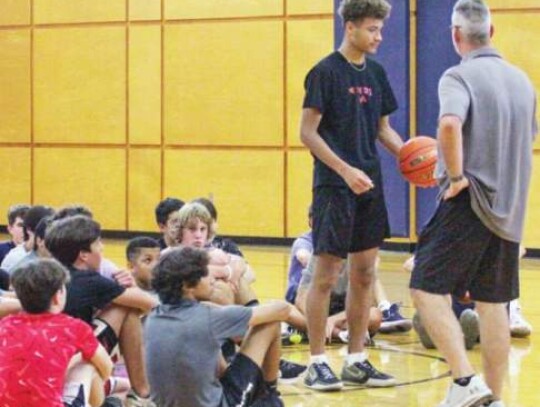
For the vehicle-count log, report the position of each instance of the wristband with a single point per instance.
(229, 272)
(456, 178)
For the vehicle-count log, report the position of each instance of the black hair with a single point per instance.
(16, 211)
(135, 245)
(72, 210)
(357, 10)
(37, 282)
(165, 208)
(33, 216)
(209, 205)
(178, 268)
(66, 238)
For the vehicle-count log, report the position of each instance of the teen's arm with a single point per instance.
(134, 297)
(389, 137)
(102, 362)
(273, 312)
(355, 178)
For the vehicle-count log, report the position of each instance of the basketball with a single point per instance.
(417, 160)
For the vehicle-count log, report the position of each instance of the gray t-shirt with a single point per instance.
(182, 344)
(341, 285)
(496, 103)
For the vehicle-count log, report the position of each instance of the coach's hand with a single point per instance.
(455, 188)
(356, 179)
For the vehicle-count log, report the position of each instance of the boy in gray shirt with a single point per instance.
(183, 338)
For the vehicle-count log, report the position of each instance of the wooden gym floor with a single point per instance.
(422, 374)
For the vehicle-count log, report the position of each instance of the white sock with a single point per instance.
(318, 359)
(353, 358)
(384, 305)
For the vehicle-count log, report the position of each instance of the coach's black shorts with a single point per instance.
(242, 382)
(456, 253)
(344, 222)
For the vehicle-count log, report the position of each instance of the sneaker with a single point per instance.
(393, 321)
(469, 325)
(425, 339)
(320, 377)
(290, 371)
(134, 400)
(475, 393)
(364, 374)
(519, 327)
(495, 403)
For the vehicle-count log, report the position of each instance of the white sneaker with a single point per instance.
(474, 394)
(519, 327)
(495, 403)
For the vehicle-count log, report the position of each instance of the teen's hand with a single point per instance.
(357, 180)
(124, 278)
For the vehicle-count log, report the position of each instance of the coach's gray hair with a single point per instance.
(473, 19)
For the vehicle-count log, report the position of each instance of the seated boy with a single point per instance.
(183, 339)
(142, 254)
(113, 310)
(166, 212)
(38, 344)
(31, 219)
(15, 218)
(227, 245)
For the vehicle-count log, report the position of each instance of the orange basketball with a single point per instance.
(417, 160)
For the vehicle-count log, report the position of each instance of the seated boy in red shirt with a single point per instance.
(37, 345)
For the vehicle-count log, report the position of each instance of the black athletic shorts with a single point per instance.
(242, 382)
(456, 253)
(344, 222)
(107, 337)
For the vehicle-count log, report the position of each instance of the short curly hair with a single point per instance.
(355, 10)
(178, 268)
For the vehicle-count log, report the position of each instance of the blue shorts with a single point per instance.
(456, 253)
(344, 222)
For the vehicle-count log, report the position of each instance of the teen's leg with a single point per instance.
(85, 374)
(126, 323)
(326, 274)
(262, 344)
(359, 296)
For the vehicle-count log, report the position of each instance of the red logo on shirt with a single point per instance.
(364, 93)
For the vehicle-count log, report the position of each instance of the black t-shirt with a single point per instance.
(351, 101)
(87, 292)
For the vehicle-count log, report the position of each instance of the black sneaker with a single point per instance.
(289, 371)
(393, 321)
(364, 374)
(320, 377)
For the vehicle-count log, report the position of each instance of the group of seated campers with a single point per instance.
(180, 326)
